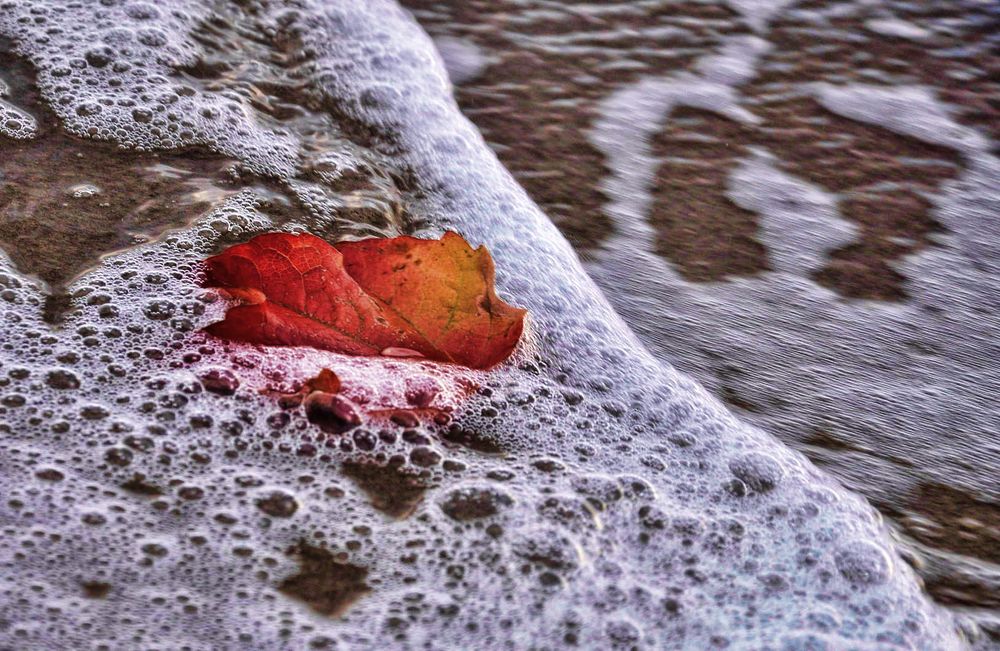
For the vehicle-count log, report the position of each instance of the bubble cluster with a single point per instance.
(15, 123)
(164, 489)
(884, 386)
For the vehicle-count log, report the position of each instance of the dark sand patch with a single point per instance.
(960, 62)
(970, 525)
(328, 585)
(65, 201)
(704, 234)
(95, 589)
(390, 489)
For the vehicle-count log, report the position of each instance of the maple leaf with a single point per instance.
(400, 296)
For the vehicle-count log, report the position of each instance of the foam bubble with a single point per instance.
(14, 122)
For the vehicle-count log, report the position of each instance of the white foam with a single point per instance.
(909, 110)
(800, 223)
(641, 513)
(15, 123)
(897, 28)
(893, 381)
(758, 13)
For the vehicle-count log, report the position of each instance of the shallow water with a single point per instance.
(157, 495)
(761, 167)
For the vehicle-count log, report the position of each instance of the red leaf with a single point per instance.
(398, 296)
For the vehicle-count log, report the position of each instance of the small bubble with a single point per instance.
(220, 381)
(759, 471)
(159, 310)
(62, 379)
(863, 563)
(471, 503)
(331, 412)
(94, 412)
(99, 56)
(278, 503)
(118, 456)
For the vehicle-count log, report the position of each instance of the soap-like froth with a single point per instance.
(14, 123)
(890, 395)
(157, 495)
